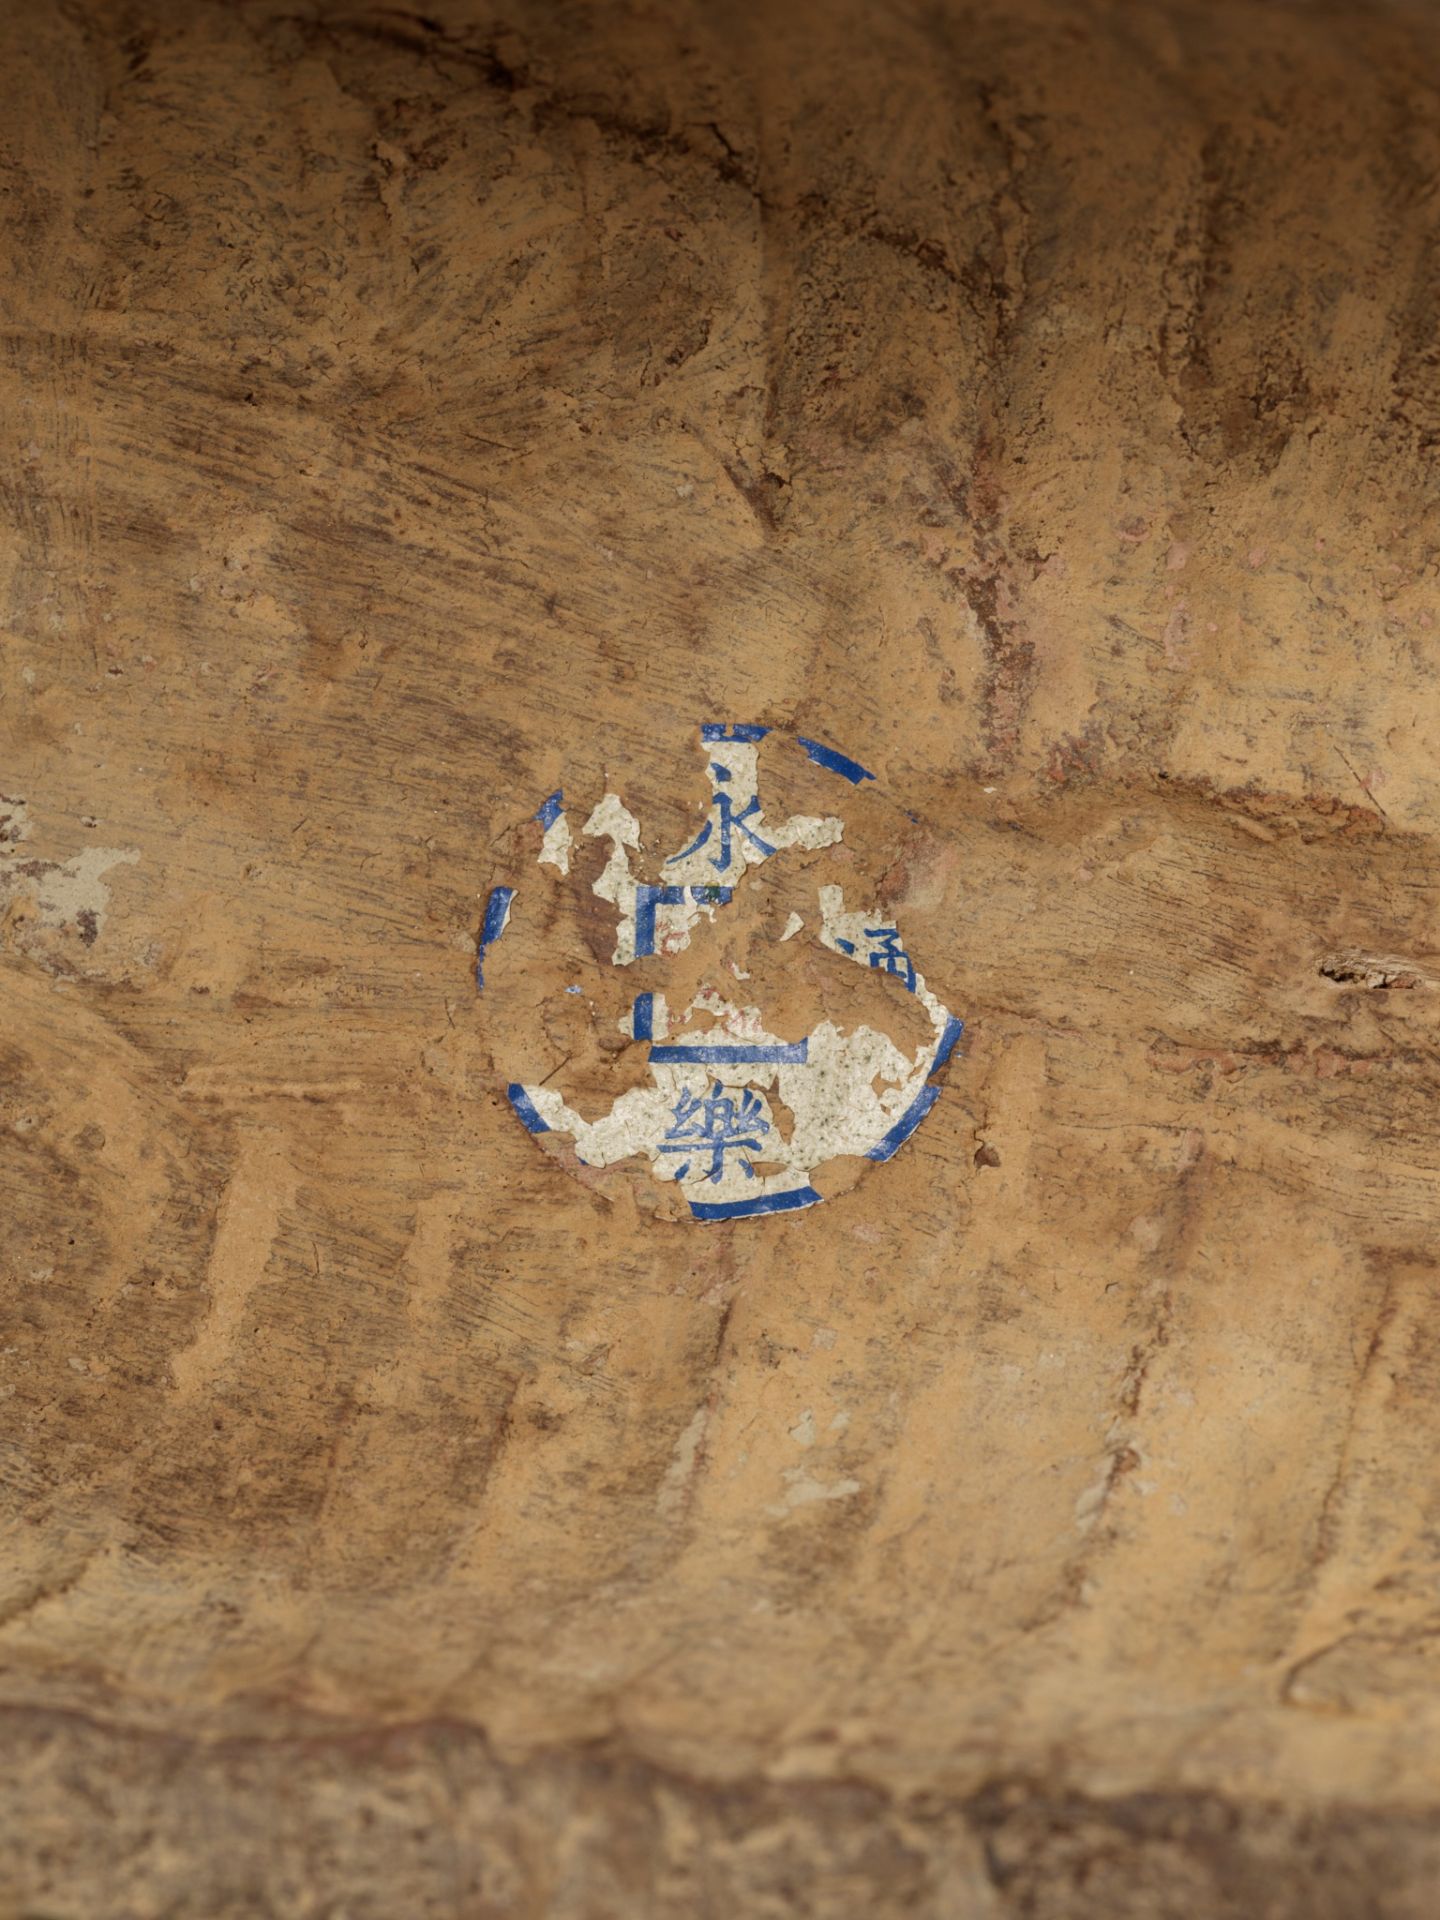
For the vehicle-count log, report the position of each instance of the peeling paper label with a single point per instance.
(737, 1115)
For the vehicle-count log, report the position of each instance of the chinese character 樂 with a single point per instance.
(714, 1123)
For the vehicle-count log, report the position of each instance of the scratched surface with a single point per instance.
(409, 415)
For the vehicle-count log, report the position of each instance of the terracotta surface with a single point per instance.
(408, 415)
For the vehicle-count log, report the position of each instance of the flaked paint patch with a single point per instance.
(611, 820)
(261, 1186)
(14, 820)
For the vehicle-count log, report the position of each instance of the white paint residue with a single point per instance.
(676, 920)
(793, 926)
(555, 847)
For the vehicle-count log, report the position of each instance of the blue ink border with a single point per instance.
(525, 1111)
(785, 1055)
(840, 763)
(763, 1203)
(491, 928)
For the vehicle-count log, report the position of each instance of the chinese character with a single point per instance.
(714, 1124)
(891, 954)
(728, 818)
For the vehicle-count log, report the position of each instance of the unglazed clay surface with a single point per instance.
(412, 415)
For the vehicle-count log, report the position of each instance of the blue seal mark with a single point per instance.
(712, 1118)
(840, 763)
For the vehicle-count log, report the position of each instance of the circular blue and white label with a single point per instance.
(711, 1078)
